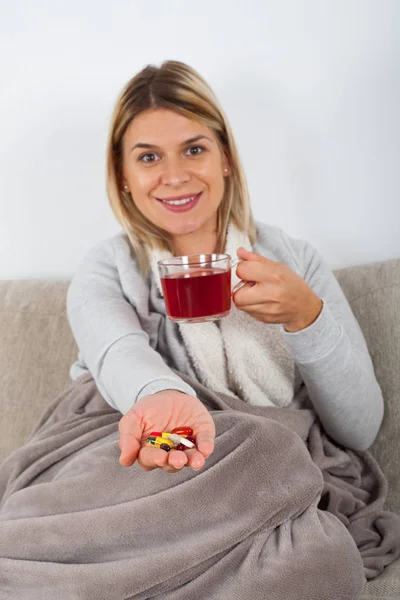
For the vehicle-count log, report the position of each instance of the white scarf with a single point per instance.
(237, 355)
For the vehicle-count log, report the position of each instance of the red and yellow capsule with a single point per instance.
(163, 434)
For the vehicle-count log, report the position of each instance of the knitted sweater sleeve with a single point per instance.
(112, 344)
(333, 357)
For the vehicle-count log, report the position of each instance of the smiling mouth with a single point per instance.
(180, 202)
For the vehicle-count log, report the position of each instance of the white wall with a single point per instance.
(311, 87)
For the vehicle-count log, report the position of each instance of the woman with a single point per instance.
(170, 140)
(177, 187)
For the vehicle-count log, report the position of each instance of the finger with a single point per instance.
(150, 458)
(253, 295)
(262, 313)
(253, 271)
(204, 432)
(169, 469)
(130, 433)
(196, 459)
(254, 256)
(205, 442)
(177, 459)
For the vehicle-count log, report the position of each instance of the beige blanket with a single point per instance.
(279, 511)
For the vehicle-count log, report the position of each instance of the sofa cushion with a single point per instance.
(36, 352)
(373, 292)
(384, 587)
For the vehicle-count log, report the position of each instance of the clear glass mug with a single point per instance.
(197, 287)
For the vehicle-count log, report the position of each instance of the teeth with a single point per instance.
(179, 202)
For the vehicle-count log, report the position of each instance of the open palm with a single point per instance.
(163, 412)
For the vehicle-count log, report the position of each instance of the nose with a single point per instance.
(175, 172)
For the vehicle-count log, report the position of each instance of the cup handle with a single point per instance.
(241, 283)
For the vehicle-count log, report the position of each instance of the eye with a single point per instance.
(201, 148)
(143, 157)
(150, 157)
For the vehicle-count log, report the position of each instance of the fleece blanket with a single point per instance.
(278, 512)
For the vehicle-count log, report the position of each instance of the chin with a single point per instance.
(182, 228)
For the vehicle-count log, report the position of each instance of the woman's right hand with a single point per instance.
(164, 411)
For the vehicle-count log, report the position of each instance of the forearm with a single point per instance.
(131, 369)
(340, 381)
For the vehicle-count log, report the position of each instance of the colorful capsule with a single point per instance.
(192, 439)
(155, 440)
(165, 447)
(164, 434)
(152, 441)
(180, 447)
(182, 430)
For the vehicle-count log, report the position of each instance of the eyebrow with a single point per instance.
(189, 141)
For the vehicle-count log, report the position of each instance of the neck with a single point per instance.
(195, 244)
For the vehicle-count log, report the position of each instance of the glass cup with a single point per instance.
(197, 287)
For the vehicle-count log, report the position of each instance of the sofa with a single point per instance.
(37, 350)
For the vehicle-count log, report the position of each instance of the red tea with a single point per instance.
(197, 294)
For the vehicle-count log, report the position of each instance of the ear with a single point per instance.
(226, 167)
(125, 188)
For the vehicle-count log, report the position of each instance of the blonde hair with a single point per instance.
(177, 87)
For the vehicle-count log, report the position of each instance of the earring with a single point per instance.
(126, 188)
(225, 170)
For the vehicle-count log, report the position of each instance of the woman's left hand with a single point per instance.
(278, 295)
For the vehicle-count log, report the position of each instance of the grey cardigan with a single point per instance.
(117, 317)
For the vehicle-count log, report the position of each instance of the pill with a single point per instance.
(176, 439)
(180, 447)
(165, 447)
(152, 441)
(164, 434)
(184, 441)
(191, 439)
(160, 445)
(182, 430)
(160, 440)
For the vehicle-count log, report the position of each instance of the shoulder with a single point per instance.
(109, 245)
(274, 243)
(114, 253)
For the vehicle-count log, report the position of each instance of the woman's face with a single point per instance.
(167, 155)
